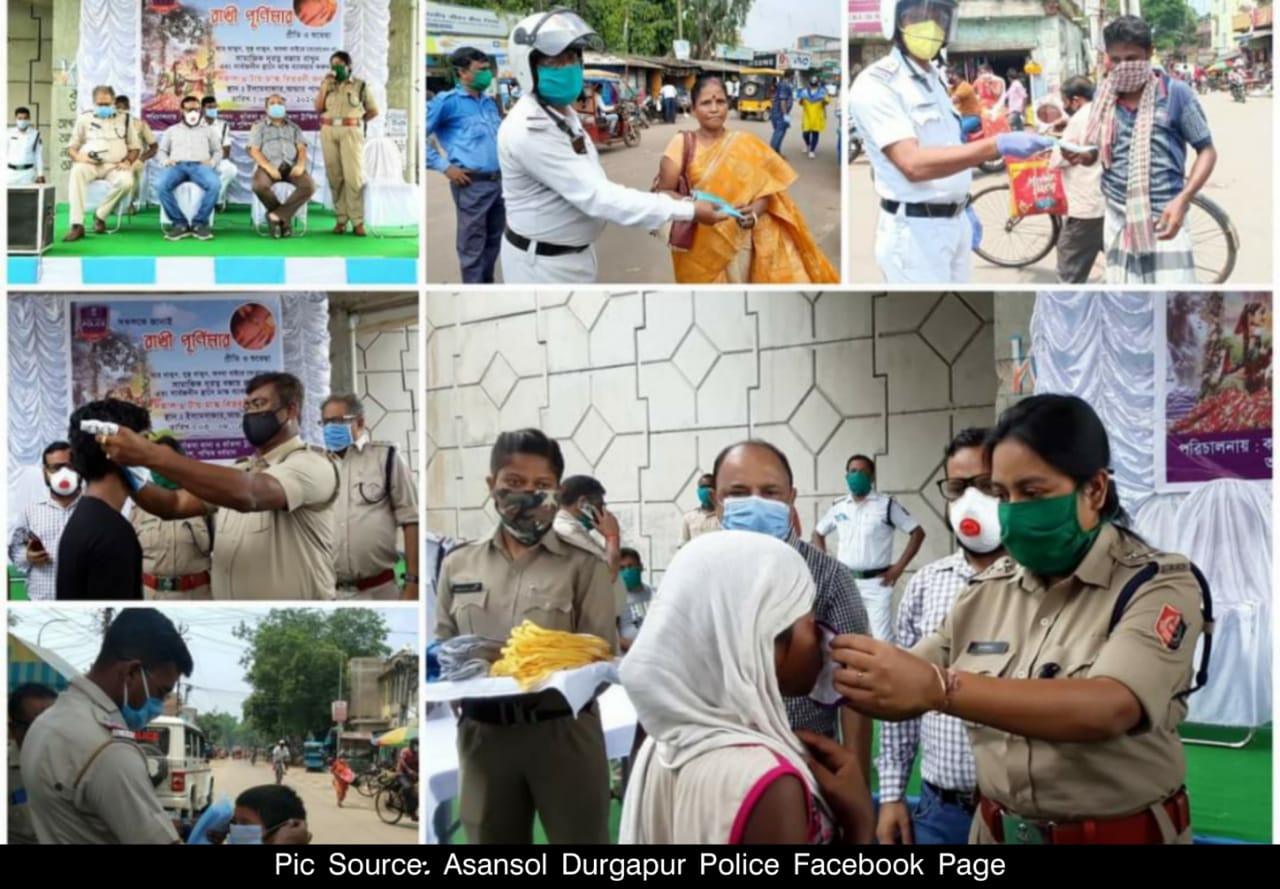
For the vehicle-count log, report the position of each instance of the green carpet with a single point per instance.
(234, 235)
(1230, 789)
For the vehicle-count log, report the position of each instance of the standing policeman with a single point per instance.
(85, 775)
(26, 150)
(920, 162)
(529, 753)
(557, 196)
(346, 105)
(376, 495)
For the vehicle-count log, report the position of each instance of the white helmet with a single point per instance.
(549, 33)
(890, 10)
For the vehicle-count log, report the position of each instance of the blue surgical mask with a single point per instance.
(275, 112)
(759, 514)
(23, 124)
(104, 111)
(244, 835)
(211, 113)
(337, 437)
(560, 86)
(138, 719)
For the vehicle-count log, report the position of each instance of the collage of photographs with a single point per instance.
(376, 370)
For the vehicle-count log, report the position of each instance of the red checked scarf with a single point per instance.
(1126, 77)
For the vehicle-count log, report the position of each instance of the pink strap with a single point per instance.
(782, 769)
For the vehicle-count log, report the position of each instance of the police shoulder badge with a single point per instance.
(1170, 627)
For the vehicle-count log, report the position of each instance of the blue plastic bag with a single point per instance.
(216, 819)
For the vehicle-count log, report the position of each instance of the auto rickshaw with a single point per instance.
(613, 91)
(755, 92)
(313, 757)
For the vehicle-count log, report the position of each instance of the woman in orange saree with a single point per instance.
(770, 243)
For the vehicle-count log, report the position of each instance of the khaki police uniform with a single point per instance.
(342, 141)
(1007, 624)
(285, 553)
(528, 753)
(21, 830)
(175, 556)
(572, 532)
(86, 777)
(366, 516)
(697, 522)
(112, 138)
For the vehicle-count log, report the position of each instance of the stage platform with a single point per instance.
(138, 255)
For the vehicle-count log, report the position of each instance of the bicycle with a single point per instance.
(389, 803)
(371, 780)
(1030, 239)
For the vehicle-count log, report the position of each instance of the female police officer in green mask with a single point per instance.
(1070, 662)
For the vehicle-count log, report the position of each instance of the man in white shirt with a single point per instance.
(668, 94)
(866, 522)
(1083, 231)
(26, 150)
(189, 152)
(558, 198)
(34, 544)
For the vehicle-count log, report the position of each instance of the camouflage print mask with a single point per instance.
(527, 515)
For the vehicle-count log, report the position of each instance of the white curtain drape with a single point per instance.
(40, 390)
(366, 32)
(1101, 347)
(109, 52)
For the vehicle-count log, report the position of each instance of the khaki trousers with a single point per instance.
(303, 188)
(343, 149)
(82, 175)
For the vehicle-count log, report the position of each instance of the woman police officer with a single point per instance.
(1070, 662)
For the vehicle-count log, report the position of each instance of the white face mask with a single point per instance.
(192, 118)
(975, 518)
(64, 482)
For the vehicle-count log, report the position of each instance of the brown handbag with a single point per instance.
(682, 231)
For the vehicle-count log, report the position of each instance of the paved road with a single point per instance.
(356, 822)
(632, 255)
(1241, 184)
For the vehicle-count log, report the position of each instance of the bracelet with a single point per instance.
(950, 681)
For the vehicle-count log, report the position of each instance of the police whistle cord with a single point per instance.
(532, 654)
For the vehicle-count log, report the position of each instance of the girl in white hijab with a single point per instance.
(730, 632)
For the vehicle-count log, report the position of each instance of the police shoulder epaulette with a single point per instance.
(1002, 568)
(885, 69)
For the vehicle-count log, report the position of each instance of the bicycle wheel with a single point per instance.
(1012, 242)
(387, 805)
(366, 785)
(1214, 240)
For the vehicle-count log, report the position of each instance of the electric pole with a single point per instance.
(679, 19)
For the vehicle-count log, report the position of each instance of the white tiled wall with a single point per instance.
(387, 377)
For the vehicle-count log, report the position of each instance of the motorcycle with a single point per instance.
(1237, 91)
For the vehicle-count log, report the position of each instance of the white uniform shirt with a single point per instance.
(668, 91)
(556, 196)
(866, 530)
(896, 99)
(26, 149)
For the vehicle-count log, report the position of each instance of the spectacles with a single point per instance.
(338, 421)
(953, 489)
(259, 404)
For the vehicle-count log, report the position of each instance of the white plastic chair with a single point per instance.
(189, 195)
(281, 190)
(389, 201)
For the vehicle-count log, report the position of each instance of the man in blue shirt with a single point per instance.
(780, 112)
(464, 121)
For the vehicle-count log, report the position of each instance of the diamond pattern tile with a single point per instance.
(498, 380)
(592, 436)
(695, 357)
(950, 326)
(814, 420)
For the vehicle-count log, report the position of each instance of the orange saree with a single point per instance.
(779, 250)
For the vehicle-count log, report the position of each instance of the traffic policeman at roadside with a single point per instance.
(1070, 662)
(558, 198)
(86, 778)
(530, 753)
(921, 164)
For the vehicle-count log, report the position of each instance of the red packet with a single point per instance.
(1035, 187)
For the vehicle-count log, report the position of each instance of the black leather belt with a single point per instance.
(867, 575)
(22, 166)
(483, 177)
(512, 712)
(964, 799)
(927, 211)
(544, 249)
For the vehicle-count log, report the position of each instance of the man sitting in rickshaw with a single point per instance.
(593, 105)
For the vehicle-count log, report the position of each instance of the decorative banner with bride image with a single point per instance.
(185, 360)
(1213, 388)
(239, 53)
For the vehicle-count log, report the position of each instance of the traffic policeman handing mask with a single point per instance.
(922, 166)
(557, 196)
(1070, 662)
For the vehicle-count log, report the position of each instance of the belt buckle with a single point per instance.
(1019, 831)
(168, 584)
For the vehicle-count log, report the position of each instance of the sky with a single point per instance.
(218, 681)
(776, 25)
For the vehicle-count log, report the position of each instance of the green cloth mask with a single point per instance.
(631, 577)
(340, 72)
(482, 80)
(163, 482)
(859, 483)
(1044, 536)
(560, 86)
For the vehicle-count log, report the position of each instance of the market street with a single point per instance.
(629, 255)
(355, 823)
(1240, 185)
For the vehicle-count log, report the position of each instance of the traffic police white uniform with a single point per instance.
(26, 155)
(557, 195)
(923, 235)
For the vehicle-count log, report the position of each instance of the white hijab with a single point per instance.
(702, 674)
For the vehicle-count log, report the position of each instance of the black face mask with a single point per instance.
(261, 427)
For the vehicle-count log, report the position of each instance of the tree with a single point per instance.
(709, 22)
(293, 660)
(1173, 22)
(221, 729)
